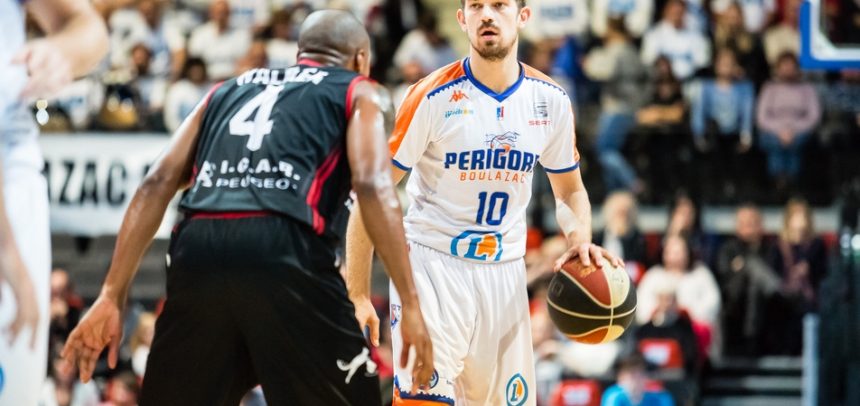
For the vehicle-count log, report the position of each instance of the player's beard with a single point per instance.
(493, 51)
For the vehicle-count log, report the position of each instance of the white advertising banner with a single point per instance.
(92, 178)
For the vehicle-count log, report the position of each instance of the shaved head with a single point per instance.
(333, 33)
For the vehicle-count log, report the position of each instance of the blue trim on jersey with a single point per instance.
(423, 396)
(445, 86)
(400, 165)
(547, 83)
(500, 97)
(563, 170)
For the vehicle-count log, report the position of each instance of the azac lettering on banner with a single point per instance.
(92, 178)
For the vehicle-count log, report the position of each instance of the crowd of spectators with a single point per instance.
(667, 93)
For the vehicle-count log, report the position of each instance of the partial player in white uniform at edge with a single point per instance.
(77, 40)
(472, 133)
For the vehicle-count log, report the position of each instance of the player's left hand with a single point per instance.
(48, 70)
(589, 254)
(366, 315)
(27, 316)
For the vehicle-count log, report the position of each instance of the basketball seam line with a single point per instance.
(586, 316)
(594, 299)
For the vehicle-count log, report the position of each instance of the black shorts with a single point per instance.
(250, 301)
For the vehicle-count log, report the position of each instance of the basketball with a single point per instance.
(591, 305)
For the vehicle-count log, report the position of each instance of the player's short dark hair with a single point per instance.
(520, 3)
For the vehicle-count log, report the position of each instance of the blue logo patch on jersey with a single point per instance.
(479, 245)
(517, 391)
(2, 379)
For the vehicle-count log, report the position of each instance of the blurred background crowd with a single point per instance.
(679, 104)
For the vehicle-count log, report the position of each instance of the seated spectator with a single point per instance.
(616, 65)
(256, 57)
(426, 46)
(123, 389)
(669, 322)
(788, 111)
(250, 15)
(620, 235)
(281, 47)
(661, 133)
(722, 122)
(747, 281)
(636, 16)
(146, 24)
(62, 387)
(685, 221)
(686, 48)
(631, 388)
(785, 36)
(219, 45)
(729, 32)
(801, 261)
(66, 306)
(141, 342)
(557, 19)
(697, 291)
(150, 89)
(757, 14)
(183, 95)
(841, 124)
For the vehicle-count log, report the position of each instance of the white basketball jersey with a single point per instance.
(18, 131)
(472, 153)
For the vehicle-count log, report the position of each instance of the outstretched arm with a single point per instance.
(573, 212)
(76, 42)
(383, 220)
(102, 324)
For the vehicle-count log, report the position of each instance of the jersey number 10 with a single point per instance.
(259, 126)
(488, 207)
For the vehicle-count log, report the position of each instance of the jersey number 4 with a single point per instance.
(259, 125)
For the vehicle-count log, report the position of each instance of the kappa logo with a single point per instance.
(457, 96)
(352, 367)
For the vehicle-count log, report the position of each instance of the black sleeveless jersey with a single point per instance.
(275, 141)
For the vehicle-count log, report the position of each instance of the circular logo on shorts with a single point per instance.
(517, 391)
(434, 380)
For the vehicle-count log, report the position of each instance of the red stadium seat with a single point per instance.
(665, 353)
(577, 392)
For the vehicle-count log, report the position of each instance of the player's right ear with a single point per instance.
(461, 19)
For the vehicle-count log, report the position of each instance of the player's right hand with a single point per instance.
(27, 315)
(366, 315)
(414, 334)
(102, 325)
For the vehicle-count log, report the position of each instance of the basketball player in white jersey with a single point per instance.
(76, 41)
(472, 133)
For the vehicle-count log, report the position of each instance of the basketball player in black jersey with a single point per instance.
(253, 289)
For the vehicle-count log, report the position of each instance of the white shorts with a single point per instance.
(478, 318)
(22, 369)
